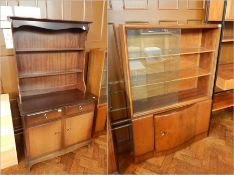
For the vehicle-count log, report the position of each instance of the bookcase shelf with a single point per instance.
(170, 52)
(225, 79)
(228, 39)
(44, 74)
(223, 100)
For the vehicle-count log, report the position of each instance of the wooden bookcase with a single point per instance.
(56, 110)
(97, 85)
(169, 75)
(221, 11)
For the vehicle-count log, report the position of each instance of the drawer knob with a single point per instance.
(163, 133)
(80, 108)
(45, 115)
(59, 110)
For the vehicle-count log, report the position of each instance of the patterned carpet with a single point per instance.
(212, 155)
(86, 160)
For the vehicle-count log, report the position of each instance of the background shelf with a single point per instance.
(223, 100)
(166, 53)
(156, 78)
(43, 74)
(225, 79)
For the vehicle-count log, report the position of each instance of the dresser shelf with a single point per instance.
(48, 50)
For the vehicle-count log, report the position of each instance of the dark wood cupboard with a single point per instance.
(56, 109)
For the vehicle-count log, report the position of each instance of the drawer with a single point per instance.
(43, 117)
(78, 109)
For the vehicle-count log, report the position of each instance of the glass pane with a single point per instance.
(154, 65)
(103, 93)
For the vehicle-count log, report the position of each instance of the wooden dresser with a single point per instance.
(56, 110)
(169, 74)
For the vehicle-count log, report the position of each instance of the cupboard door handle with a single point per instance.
(80, 108)
(163, 133)
(56, 133)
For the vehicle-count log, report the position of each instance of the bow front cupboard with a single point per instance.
(169, 75)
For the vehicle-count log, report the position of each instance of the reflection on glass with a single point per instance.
(154, 62)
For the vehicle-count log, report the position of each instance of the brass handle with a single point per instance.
(45, 115)
(59, 110)
(56, 133)
(80, 108)
(163, 133)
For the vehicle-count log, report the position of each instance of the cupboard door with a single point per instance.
(100, 118)
(143, 135)
(203, 117)
(174, 128)
(44, 139)
(78, 128)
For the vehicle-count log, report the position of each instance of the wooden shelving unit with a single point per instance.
(225, 75)
(57, 112)
(167, 81)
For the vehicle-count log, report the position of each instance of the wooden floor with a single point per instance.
(86, 160)
(212, 155)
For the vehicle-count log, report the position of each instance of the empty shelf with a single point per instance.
(225, 79)
(223, 100)
(156, 78)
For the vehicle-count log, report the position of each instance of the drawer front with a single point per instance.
(43, 117)
(79, 109)
(174, 128)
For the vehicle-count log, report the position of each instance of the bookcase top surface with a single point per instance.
(45, 102)
(52, 24)
(179, 26)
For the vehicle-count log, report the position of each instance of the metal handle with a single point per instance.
(56, 133)
(80, 108)
(163, 133)
(45, 115)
